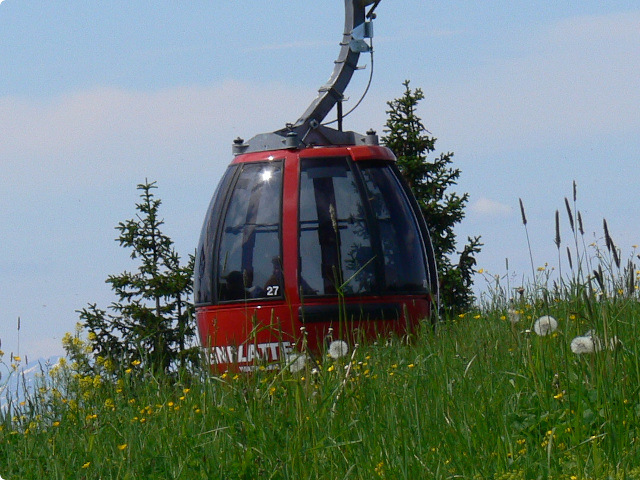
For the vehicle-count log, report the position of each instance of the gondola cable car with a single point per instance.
(312, 239)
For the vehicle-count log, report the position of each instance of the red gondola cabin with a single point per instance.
(312, 237)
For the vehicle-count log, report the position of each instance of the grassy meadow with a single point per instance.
(479, 397)
(501, 392)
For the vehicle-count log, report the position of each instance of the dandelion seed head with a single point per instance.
(338, 348)
(545, 325)
(581, 345)
(297, 361)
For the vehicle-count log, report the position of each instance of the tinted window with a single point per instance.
(400, 238)
(249, 257)
(358, 233)
(335, 242)
(205, 263)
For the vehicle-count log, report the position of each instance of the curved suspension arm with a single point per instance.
(308, 128)
(347, 62)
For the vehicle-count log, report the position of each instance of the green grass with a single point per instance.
(478, 398)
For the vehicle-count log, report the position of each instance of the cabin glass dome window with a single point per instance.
(402, 247)
(358, 234)
(249, 251)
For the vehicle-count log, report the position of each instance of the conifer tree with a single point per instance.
(431, 182)
(152, 320)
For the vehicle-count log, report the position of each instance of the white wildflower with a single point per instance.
(514, 316)
(545, 325)
(338, 348)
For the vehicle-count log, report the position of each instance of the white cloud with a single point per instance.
(490, 208)
(101, 134)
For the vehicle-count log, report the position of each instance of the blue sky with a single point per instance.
(97, 96)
